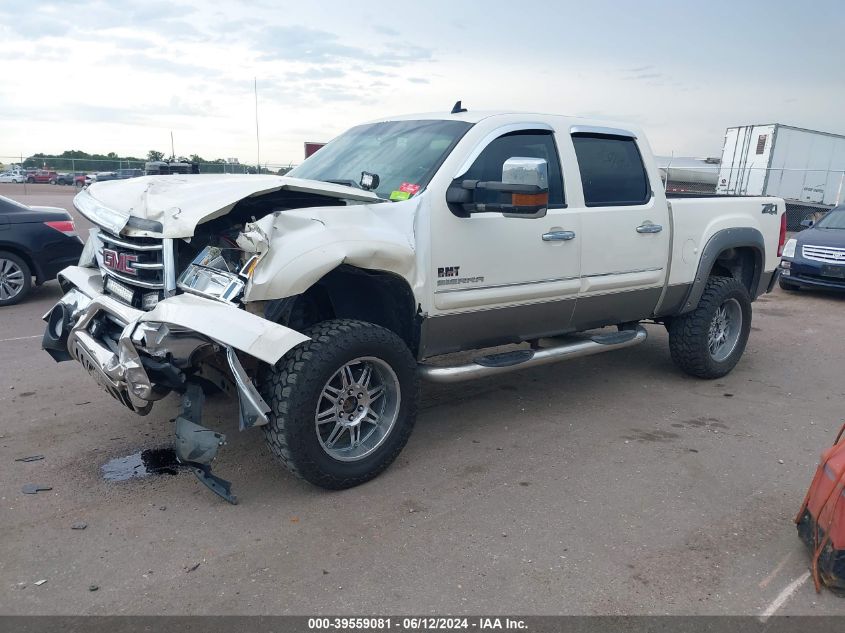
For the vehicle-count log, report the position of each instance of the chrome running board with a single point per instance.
(504, 362)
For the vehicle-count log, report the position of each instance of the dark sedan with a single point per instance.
(34, 242)
(815, 258)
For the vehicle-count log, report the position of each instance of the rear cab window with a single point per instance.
(612, 170)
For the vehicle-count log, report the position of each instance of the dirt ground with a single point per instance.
(607, 485)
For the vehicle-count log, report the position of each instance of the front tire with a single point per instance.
(709, 341)
(785, 285)
(343, 403)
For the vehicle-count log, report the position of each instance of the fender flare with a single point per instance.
(719, 242)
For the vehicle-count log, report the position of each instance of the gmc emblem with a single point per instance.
(120, 262)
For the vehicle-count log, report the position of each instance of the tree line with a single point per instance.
(77, 160)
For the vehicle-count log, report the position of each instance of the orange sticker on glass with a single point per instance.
(409, 187)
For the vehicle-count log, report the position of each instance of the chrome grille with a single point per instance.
(135, 262)
(824, 253)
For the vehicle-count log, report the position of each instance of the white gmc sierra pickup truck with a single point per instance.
(320, 298)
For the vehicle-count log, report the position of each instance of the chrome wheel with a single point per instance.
(11, 279)
(725, 329)
(357, 408)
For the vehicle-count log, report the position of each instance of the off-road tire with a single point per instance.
(292, 387)
(27, 278)
(689, 333)
(785, 285)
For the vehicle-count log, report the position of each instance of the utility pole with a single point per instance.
(257, 141)
(172, 151)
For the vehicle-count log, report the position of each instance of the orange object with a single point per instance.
(530, 199)
(821, 520)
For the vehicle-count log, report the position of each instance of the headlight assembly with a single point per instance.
(208, 275)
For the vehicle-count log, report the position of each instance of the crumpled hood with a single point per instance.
(172, 206)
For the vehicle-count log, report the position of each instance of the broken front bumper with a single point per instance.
(138, 357)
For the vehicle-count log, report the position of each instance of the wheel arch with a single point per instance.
(26, 256)
(738, 253)
(349, 292)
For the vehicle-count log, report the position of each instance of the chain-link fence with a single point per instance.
(82, 166)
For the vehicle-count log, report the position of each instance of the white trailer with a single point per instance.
(804, 167)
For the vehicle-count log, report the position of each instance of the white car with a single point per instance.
(10, 176)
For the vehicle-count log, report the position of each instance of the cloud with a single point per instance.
(141, 115)
(62, 19)
(169, 65)
(648, 73)
(316, 72)
(375, 73)
(304, 44)
(41, 54)
(32, 24)
(386, 30)
(646, 76)
(134, 43)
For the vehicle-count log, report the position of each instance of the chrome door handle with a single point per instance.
(648, 227)
(558, 236)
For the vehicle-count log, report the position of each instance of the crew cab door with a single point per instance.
(625, 230)
(499, 279)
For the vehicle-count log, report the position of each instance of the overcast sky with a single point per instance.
(119, 76)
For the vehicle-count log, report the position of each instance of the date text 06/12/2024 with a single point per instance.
(415, 623)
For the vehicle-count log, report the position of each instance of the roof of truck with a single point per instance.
(510, 117)
(470, 116)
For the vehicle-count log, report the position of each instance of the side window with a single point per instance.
(531, 144)
(612, 170)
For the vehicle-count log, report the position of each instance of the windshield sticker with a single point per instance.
(399, 195)
(409, 188)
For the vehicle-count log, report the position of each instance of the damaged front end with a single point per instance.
(171, 289)
(183, 343)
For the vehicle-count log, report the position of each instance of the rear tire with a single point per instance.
(330, 424)
(709, 341)
(15, 279)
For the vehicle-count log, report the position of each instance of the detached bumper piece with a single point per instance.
(197, 446)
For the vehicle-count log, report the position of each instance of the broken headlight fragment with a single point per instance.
(210, 275)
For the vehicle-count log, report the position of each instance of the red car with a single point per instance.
(42, 175)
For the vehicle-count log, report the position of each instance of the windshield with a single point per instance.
(404, 154)
(833, 219)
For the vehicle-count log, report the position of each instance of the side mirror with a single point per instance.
(525, 179)
(807, 223)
